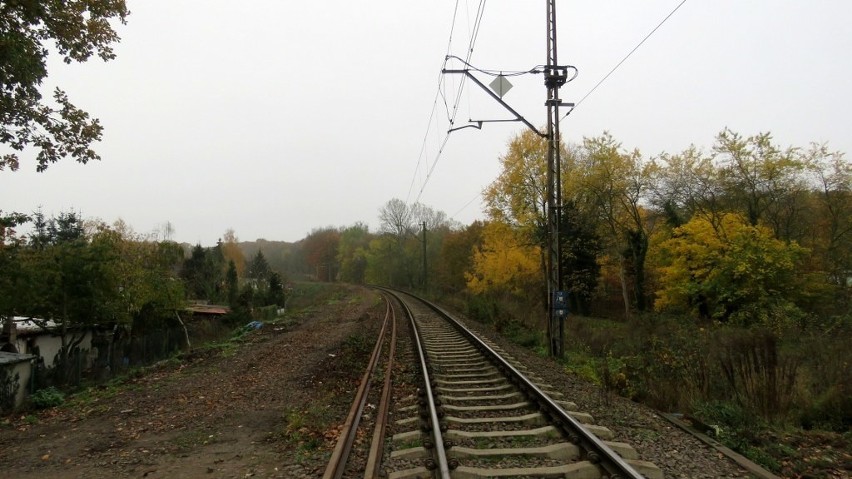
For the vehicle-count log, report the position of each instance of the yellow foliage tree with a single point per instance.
(505, 263)
(232, 252)
(733, 271)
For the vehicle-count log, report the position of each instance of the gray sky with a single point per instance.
(276, 117)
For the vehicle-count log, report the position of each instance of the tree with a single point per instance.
(762, 181)
(352, 253)
(232, 283)
(396, 218)
(505, 263)
(456, 257)
(77, 29)
(258, 269)
(581, 247)
(613, 183)
(735, 272)
(519, 194)
(232, 252)
(275, 294)
(321, 252)
(203, 272)
(832, 219)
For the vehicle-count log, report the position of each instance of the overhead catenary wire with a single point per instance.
(438, 94)
(625, 58)
(474, 34)
(478, 195)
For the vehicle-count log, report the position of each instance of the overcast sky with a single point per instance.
(276, 117)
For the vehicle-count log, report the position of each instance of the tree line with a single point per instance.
(74, 276)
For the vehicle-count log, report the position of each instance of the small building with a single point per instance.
(42, 338)
(16, 374)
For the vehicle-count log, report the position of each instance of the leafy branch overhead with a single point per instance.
(76, 29)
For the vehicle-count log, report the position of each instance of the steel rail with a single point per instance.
(337, 462)
(374, 458)
(442, 464)
(598, 452)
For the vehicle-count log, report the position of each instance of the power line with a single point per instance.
(452, 118)
(625, 58)
(478, 195)
(438, 94)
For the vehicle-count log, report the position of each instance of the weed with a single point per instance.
(47, 397)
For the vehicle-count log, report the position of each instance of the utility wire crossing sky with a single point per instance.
(275, 118)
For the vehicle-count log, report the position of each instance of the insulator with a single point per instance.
(430, 464)
(453, 463)
(428, 444)
(593, 457)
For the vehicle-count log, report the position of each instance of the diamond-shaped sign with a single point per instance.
(500, 85)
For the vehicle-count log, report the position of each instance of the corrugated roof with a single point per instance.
(207, 309)
(14, 358)
(26, 325)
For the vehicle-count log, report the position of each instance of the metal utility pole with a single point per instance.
(554, 77)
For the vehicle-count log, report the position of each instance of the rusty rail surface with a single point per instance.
(337, 463)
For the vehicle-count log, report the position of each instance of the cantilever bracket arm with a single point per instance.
(498, 99)
(477, 125)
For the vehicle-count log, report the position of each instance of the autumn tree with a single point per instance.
(232, 252)
(763, 181)
(734, 272)
(505, 266)
(321, 252)
(505, 263)
(352, 252)
(456, 257)
(518, 196)
(610, 184)
(30, 29)
(831, 226)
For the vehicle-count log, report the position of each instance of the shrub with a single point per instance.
(47, 397)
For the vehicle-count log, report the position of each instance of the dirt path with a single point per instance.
(264, 406)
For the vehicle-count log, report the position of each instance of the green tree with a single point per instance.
(77, 29)
(258, 269)
(352, 253)
(203, 272)
(275, 295)
(232, 283)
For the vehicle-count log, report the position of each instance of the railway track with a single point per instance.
(460, 407)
